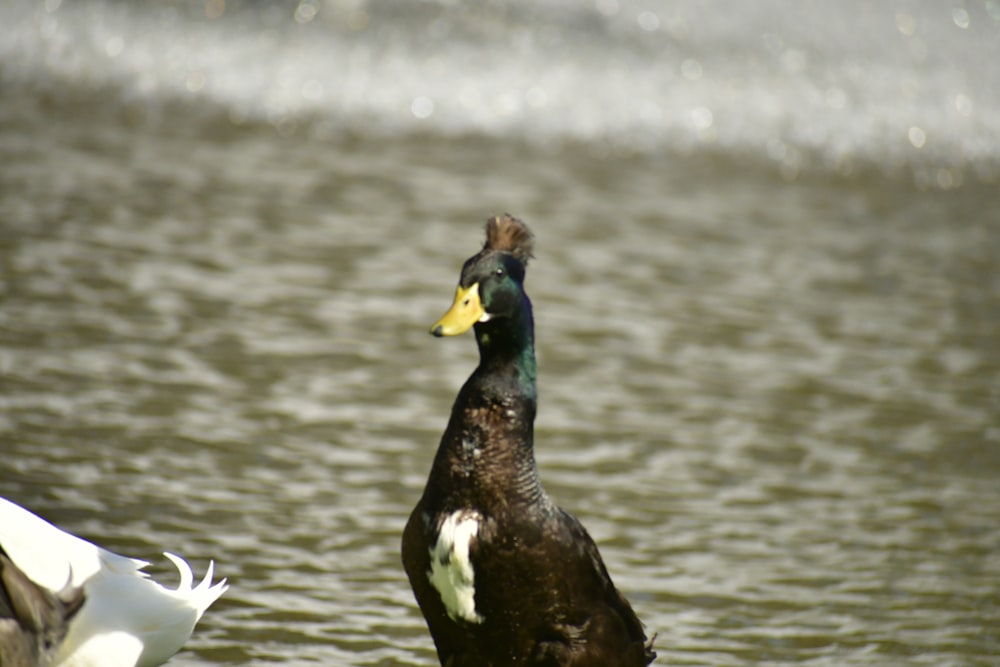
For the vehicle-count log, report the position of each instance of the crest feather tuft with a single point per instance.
(505, 233)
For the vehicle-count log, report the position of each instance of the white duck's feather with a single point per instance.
(127, 619)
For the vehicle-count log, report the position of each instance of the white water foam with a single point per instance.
(905, 84)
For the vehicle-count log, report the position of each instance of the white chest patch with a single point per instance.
(451, 570)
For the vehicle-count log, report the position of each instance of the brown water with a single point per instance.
(774, 405)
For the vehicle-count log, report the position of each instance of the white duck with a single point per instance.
(127, 619)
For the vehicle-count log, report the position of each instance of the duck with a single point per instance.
(33, 620)
(114, 614)
(502, 575)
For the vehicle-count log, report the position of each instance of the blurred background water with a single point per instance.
(766, 295)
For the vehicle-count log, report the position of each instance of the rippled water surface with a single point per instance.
(772, 396)
(774, 406)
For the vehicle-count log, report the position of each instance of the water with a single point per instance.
(767, 305)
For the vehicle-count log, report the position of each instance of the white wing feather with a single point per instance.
(127, 620)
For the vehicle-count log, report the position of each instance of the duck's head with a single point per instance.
(492, 283)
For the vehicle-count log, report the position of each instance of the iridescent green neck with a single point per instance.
(507, 349)
(486, 457)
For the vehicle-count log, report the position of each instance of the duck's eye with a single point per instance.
(500, 272)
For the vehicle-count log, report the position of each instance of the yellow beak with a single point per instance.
(464, 312)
